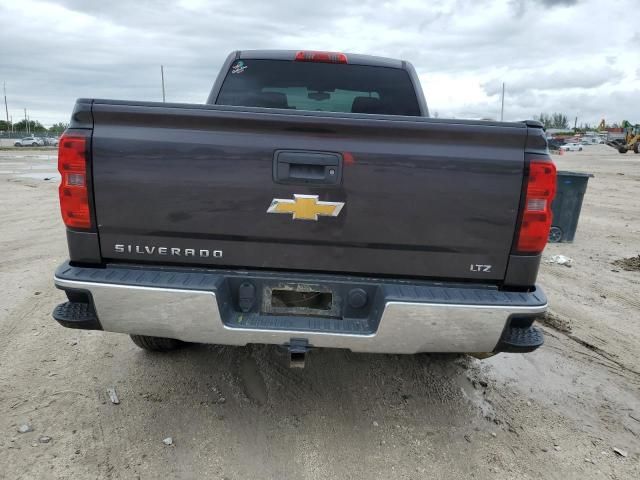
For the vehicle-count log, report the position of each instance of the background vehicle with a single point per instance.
(51, 141)
(555, 143)
(310, 203)
(592, 140)
(29, 142)
(571, 147)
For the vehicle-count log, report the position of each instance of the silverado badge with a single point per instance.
(305, 207)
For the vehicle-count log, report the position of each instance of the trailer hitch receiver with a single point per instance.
(298, 348)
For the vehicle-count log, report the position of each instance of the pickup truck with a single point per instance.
(311, 202)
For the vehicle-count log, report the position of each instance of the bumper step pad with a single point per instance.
(77, 315)
(520, 340)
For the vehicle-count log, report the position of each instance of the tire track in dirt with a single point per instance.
(22, 316)
(630, 300)
(581, 323)
(554, 321)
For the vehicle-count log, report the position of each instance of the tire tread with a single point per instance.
(156, 344)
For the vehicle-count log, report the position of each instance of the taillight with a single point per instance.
(74, 194)
(536, 217)
(322, 57)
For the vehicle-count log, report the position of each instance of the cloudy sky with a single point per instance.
(579, 57)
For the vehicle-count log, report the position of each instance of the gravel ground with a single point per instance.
(239, 413)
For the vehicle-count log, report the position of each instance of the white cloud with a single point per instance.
(557, 79)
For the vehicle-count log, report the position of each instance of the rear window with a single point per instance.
(326, 87)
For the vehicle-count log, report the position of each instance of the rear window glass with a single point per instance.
(324, 87)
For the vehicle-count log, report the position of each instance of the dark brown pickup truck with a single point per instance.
(311, 202)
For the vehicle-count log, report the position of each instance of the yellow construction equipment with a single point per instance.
(631, 140)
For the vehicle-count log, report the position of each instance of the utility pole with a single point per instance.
(162, 76)
(6, 109)
(26, 121)
(575, 124)
(502, 107)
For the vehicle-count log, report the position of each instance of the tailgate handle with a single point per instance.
(304, 167)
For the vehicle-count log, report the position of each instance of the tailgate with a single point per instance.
(409, 196)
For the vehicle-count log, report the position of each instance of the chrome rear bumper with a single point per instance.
(195, 307)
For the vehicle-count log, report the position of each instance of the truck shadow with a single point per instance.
(335, 386)
(246, 410)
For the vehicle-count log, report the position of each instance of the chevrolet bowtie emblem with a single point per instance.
(305, 207)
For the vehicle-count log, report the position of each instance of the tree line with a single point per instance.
(34, 127)
(560, 121)
(555, 120)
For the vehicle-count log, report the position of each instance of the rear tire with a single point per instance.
(636, 148)
(156, 344)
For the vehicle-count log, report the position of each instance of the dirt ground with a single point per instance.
(239, 413)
